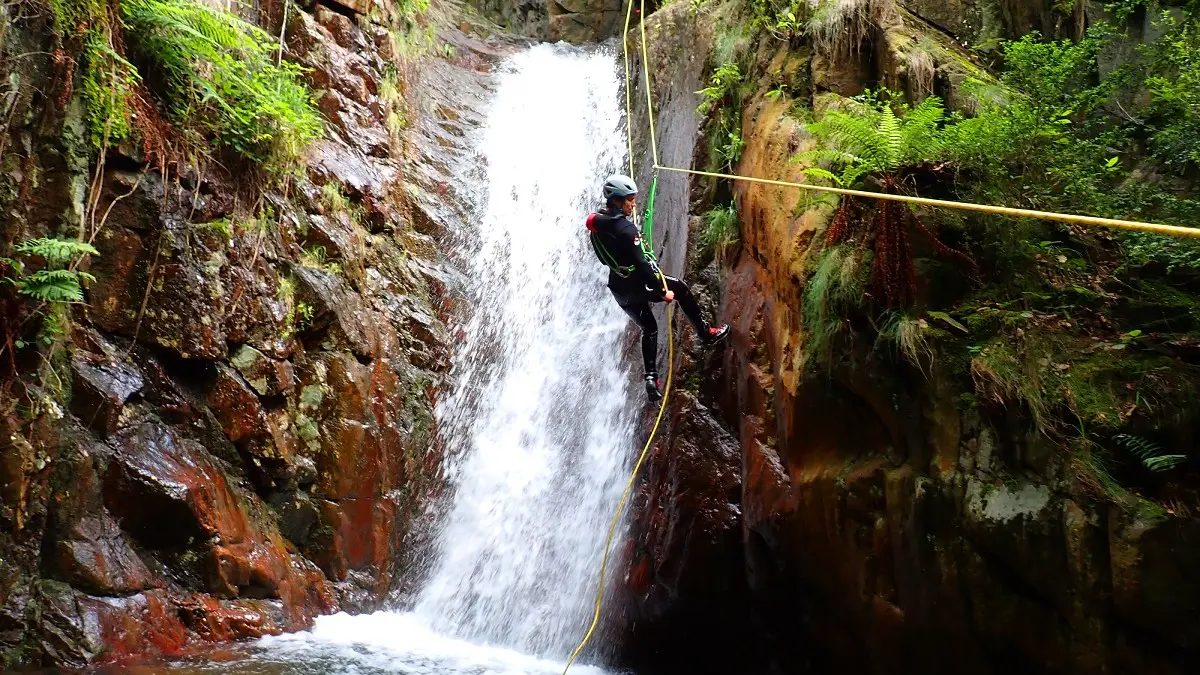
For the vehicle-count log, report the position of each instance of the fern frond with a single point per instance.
(56, 251)
(223, 77)
(52, 286)
(1164, 462)
(893, 139)
(921, 138)
(1152, 454)
(823, 173)
(832, 156)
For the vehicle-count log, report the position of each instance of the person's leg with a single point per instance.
(691, 309)
(642, 315)
(687, 302)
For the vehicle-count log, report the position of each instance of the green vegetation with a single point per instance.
(317, 257)
(876, 141)
(908, 334)
(722, 100)
(721, 229)
(108, 87)
(832, 294)
(57, 280)
(222, 80)
(1081, 332)
(881, 144)
(217, 75)
(391, 93)
(1152, 454)
(783, 19)
(838, 27)
(298, 315)
(334, 199)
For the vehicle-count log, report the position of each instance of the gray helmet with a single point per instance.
(619, 187)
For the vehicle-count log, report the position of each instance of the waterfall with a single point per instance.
(537, 420)
(538, 425)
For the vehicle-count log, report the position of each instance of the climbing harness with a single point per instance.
(606, 257)
(647, 246)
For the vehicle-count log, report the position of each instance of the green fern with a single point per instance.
(1151, 454)
(875, 140)
(52, 283)
(56, 251)
(55, 285)
(222, 78)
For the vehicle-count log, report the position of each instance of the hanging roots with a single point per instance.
(892, 276)
(947, 252)
(839, 228)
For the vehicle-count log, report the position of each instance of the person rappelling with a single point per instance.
(634, 277)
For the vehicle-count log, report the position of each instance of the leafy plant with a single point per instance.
(1173, 253)
(876, 144)
(725, 79)
(1174, 84)
(721, 229)
(833, 291)
(784, 19)
(722, 105)
(1151, 454)
(57, 281)
(222, 79)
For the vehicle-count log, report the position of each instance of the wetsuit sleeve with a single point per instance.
(629, 239)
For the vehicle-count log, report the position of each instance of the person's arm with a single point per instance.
(631, 243)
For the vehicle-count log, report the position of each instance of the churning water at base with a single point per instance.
(537, 425)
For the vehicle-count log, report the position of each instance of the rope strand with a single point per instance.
(662, 406)
(1096, 221)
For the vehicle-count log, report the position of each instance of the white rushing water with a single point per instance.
(537, 423)
(538, 420)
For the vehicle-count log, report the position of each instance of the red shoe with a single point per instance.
(716, 335)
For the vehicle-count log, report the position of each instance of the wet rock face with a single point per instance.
(585, 20)
(243, 435)
(688, 538)
(520, 17)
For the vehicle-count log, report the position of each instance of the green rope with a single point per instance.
(648, 222)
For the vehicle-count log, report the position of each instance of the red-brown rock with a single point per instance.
(224, 620)
(237, 406)
(268, 376)
(144, 624)
(100, 388)
(97, 558)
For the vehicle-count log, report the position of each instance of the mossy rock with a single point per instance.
(1154, 305)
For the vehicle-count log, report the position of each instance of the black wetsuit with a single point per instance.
(636, 281)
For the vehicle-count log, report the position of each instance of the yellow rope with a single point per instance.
(646, 70)
(612, 528)
(1175, 230)
(662, 406)
(628, 89)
